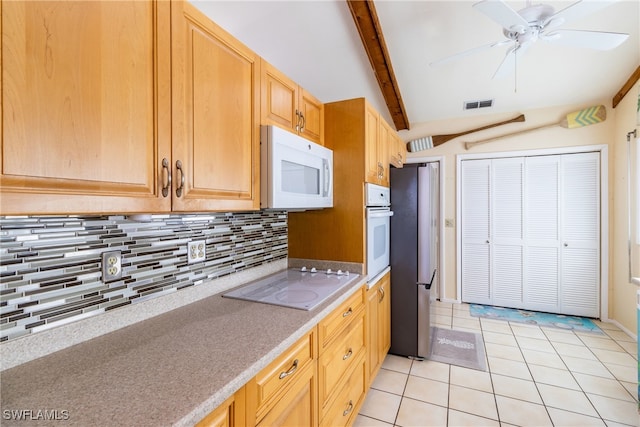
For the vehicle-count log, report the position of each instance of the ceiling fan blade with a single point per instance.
(501, 13)
(468, 52)
(508, 64)
(574, 11)
(598, 40)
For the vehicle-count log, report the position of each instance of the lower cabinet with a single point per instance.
(321, 380)
(230, 413)
(297, 406)
(342, 362)
(378, 324)
(284, 393)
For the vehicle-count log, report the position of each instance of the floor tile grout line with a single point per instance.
(547, 338)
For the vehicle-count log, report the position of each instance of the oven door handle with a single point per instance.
(379, 214)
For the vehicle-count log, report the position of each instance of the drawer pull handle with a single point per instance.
(349, 409)
(348, 312)
(381, 290)
(290, 371)
(348, 355)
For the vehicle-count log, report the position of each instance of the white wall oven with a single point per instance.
(295, 173)
(378, 211)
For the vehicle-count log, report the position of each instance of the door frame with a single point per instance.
(604, 209)
(441, 243)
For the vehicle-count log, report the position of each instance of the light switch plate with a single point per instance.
(196, 251)
(111, 266)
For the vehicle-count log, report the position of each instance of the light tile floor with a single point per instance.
(536, 377)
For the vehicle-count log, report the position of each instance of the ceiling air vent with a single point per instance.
(473, 105)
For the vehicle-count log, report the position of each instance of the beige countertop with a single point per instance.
(171, 369)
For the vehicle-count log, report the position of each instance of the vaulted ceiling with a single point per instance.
(318, 44)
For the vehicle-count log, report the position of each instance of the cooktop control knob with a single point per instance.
(328, 271)
(313, 270)
(303, 268)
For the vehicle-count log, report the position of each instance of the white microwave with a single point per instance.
(295, 173)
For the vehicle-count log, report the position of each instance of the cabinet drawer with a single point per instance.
(275, 378)
(338, 320)
(347, 403)
(337, 360)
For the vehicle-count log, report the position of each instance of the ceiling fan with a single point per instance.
(539, 22)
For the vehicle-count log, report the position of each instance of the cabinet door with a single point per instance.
(385, 139)
(229, 414)
(216, 127)
(299, 406)
(373, 333)
(279, 99)
(86, 106)
(384, 317)
(372, 162)
(312, 121)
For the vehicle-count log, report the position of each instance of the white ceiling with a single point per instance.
(316, 44)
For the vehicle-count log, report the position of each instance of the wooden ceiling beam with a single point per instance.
(626, 87)
(366, 20)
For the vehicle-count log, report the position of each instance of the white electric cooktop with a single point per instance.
(303, 289)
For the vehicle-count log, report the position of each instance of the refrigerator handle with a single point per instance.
(428, 285)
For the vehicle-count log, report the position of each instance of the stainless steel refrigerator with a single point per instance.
(413, 257)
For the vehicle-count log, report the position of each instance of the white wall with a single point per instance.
(621, 293)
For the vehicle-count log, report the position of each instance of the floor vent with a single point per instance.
(472, 105)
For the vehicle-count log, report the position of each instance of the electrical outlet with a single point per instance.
(111, 266)
(449, 222)
(196, 251)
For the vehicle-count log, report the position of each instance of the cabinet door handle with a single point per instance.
(303, 122)
(381, 294)
(348, 355)
(166, 188)
(291, 370)
(297, 121)
(181, 187)
(348, 312)
(349, 409)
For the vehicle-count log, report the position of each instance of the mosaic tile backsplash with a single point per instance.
(51, 267)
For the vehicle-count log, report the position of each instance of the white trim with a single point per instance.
(441, 237)
(604, 209)
(625, 330)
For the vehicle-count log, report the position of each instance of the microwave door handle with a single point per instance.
(327, 177)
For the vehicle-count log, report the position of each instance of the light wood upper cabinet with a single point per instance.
(371, 143)
(385, 141)
(86, 113)
(397, 151)
(123, 107)
(286, 104)
(378, 138)
(216, 127)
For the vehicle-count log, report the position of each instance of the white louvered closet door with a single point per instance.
(580, 225)
(506, 242)
(475, 231)
(531, 233)
(542, 232)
